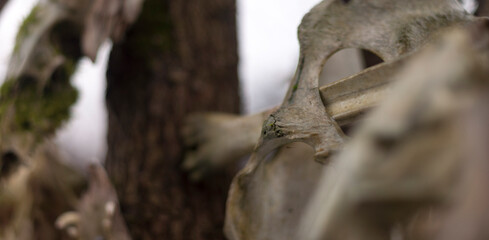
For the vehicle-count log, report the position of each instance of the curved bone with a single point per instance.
(215, 139)
(34, 194)
(389, 29)
(98, 213)
(407, 156)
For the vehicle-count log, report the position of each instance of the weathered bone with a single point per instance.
(98, 214)
(216, 139)
(37, 193)
(408, 156)
(335, 25)
(389, 29)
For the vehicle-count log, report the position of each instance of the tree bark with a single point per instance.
(179, 57)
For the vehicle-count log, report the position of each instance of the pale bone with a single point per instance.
(388, 28)
(108, 18)
(22, 194)
(98, 213)
(408, 155)
(219, 139)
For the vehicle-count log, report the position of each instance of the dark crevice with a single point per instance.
(10, 163)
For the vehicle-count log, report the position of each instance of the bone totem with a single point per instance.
(268, 195)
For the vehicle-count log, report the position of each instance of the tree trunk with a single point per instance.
(483, 9)
(2, 4)
(179, 57)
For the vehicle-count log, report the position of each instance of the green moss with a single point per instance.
(25, 27)
(6, 88)
(41, 107)
(39, 111)
(295, 87)
(42, 111)
(5, 92)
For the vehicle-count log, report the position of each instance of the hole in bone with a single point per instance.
(370, 59)
(10, 163)
(347, 62)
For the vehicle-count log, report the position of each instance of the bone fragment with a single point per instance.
(97, 213)
(408, 156)
(215, 139)
(34, 193)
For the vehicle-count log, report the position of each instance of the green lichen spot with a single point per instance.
(25, 27)
(39, 110)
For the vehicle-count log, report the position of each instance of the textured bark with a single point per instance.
(180, 57)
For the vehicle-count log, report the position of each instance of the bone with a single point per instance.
(29, 192)
(215, 140)
(390, 29)
(301, 116)
(97, 213)
(407, 157)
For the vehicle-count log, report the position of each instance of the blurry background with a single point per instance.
(268, 49)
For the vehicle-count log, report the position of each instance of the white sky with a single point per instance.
(268, 48)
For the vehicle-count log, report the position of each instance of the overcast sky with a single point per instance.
(267, 31)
